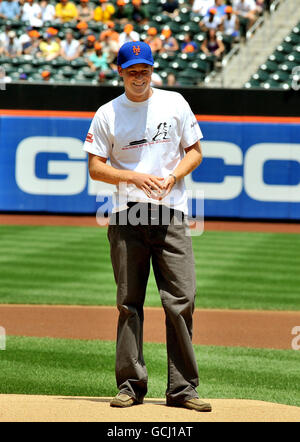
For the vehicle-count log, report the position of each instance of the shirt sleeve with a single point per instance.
(98, 140)
(191, 131)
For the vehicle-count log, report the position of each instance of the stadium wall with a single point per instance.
(251, 146)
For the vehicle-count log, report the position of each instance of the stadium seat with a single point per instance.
(179, 64)
(200, 65)
(59, 62)
(271, 84)
(269, 66)
(261, 75)
(288, 66)
(160, 63)
(26, 69)
(294, 57)
(78, 63)
(67, 71)
(285, 47)
(277, 57)
(280, 76)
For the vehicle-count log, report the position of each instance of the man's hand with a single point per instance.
(167, 187)
(150, 184)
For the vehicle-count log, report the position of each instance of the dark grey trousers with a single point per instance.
(170, 249)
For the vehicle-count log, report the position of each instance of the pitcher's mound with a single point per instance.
(29, 408)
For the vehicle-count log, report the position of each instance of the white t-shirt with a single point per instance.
(245, 6)
(202, 6)
(229, 25)
(70, 48)
(48, 13)
(148, 137)
(125, 38)
(32, 13)
(211, 24)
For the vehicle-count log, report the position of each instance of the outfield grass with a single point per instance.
(71, 265)
(86, 368)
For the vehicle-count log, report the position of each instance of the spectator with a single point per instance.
(46, 75)
(171, 80)
(26, 38)
(85, 11)
(188, 44)
(9, 10)
(12, 47)
(137, 13)
(246, 11)
(70, 47)
(48, 11)
(171, 8)
(98, 59)
(49, 48)
(32, 46)
(201, 7)
(23, 76)
(83, 29)
(4, 78)
(109, 46)
(229, 27)
(169, 43)
(88, 46)
(65, 11)
(261, 6)
(121, 12)
(128, 34)
(32, 13)
(4, 36)
(210, 21)
(156, 80)
(153, 40)
(110, 26)
(104, 12)
(101, 78)
(212, 45)
(219, 6)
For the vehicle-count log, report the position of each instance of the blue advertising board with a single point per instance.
(251, 169)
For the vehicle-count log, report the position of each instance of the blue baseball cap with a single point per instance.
(134, 52)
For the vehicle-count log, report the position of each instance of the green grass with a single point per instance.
(86, 368)
(71, 265)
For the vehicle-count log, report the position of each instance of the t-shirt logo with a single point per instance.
(162, 132)
(136, 50)
(89, 137)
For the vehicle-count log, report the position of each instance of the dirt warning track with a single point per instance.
(246, 328)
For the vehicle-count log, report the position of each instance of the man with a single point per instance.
(128, 34)
(246, 11)
(32, 13)
(9, 10)
(104, 12)
(12, 47)
(152, 139)
(210, 21)
(70, 47)
(65, 11)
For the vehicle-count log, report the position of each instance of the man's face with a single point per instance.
(137, 79)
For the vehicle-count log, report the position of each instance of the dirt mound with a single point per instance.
(28, 408)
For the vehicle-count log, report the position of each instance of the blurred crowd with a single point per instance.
(63, 28)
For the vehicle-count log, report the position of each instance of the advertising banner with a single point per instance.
(250, 168)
